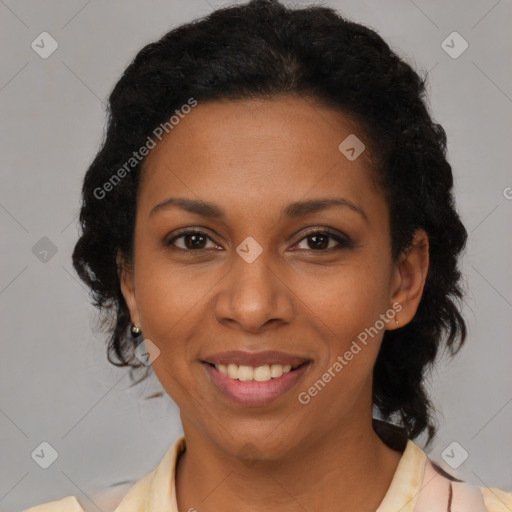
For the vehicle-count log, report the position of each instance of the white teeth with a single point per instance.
(262, 373)
(245, 373)
(276, 370)
(232, 371)
(259, 374)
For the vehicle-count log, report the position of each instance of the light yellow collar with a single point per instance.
(156, 492)
(407, 481)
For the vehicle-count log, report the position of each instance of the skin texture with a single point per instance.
(252, 158)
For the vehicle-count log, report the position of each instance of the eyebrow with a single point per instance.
(293, 210)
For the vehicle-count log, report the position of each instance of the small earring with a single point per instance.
(135, 330)
(397, 323)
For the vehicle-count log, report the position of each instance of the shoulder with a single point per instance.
(67, 504)
(441, 491)
(129, 496)
(463, 496)
(496, 500)
(106, 500)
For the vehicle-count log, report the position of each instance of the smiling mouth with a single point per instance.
(262, 373)
(255, 386)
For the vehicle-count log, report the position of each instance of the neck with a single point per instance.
(347, 469)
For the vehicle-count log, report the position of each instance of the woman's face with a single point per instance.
(253, 280)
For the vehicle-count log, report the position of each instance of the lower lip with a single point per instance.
(252, 392)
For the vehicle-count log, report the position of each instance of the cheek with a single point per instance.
(348, 299)
(167, 295)
(346, 311)
(346, 306)
(170, 302)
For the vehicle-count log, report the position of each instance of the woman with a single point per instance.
(270, 221)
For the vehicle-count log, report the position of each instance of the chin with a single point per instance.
(251, 446)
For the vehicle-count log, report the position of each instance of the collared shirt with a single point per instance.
(416, 487)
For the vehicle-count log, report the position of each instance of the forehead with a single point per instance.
(257, 151)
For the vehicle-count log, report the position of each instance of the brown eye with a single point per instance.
(319, 241)
(192, 241)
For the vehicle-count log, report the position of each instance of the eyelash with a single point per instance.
(344, 242)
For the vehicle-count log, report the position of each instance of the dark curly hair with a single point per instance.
(259, 50)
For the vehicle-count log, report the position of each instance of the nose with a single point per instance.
(253, 295)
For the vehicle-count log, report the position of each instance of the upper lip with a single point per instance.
(255, 359)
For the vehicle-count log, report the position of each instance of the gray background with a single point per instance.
(56, 384)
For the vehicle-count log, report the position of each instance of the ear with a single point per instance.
(408, 280)
(127, 283)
